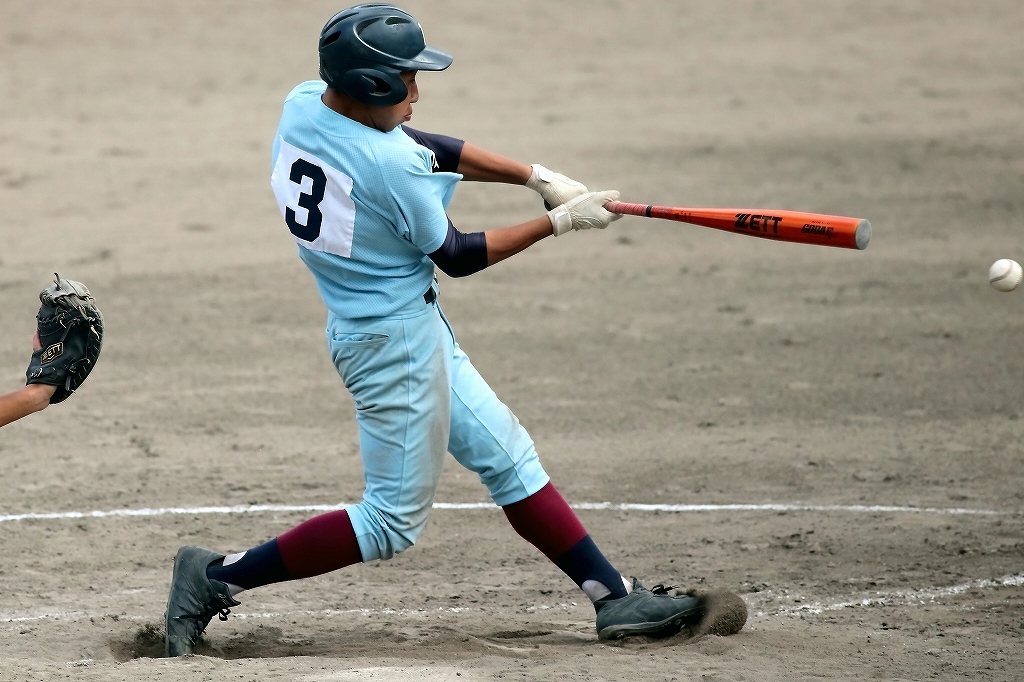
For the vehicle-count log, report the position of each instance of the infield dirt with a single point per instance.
(653, 363)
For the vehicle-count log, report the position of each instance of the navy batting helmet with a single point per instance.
(365, 48)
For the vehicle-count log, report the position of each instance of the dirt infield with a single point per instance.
(834, 435)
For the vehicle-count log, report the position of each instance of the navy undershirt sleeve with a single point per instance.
(461, 254)
(447, 150)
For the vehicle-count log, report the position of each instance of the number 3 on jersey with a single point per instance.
(315, 200)
(301, 170)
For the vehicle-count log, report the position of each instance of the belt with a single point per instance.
(430, 296)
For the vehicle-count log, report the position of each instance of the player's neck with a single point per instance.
(349, 108)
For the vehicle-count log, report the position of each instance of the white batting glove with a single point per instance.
(585, 212)
(554, 188)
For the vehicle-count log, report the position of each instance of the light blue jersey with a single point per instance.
(364, 206)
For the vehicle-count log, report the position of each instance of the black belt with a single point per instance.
(430, 296)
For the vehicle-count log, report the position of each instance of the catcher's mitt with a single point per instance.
(70, 331)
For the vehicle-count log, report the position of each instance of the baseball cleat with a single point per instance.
(194, 600)
(654, 613)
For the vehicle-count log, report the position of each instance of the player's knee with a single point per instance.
(516, 482)
(404, 534)
(398, 532)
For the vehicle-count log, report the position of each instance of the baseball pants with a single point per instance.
(417, 396)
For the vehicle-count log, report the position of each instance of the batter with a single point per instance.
(364, 196)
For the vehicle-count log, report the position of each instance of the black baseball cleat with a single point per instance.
(194, 600)
(654, 613)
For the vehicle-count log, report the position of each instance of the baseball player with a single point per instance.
(364, 197)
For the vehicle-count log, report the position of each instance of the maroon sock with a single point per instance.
(322, 544)
(546, 521)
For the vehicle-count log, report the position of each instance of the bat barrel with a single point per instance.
(788, 226)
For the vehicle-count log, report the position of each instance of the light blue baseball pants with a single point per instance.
(417, 396)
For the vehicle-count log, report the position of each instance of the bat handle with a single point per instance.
(626, 208)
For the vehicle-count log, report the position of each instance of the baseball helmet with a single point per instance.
(364, 50)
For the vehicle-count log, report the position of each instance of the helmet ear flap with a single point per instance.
(373, 86)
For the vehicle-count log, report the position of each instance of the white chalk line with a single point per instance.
(586, 506)
(327, 613)
(808, 607)
(918, 597)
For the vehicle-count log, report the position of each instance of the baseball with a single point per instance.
(1005, 274)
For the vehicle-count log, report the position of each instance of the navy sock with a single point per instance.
(259, 566)
(584, 561)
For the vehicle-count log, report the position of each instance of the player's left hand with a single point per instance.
(555, 188)
(585, 212)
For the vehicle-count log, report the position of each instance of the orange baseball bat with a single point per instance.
(786, 226)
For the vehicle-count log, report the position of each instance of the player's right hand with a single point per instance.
(585, 212)
(554, 188)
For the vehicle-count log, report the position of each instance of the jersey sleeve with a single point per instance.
(447, 150)
(419, 195)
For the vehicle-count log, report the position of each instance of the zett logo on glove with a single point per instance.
(52, 353)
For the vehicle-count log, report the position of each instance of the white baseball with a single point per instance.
(1005, 274)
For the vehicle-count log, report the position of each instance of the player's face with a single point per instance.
(387, 119)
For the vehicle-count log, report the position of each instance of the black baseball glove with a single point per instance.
(70, 331)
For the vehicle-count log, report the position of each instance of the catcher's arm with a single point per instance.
(25, 401)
